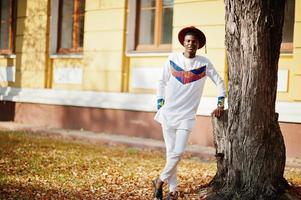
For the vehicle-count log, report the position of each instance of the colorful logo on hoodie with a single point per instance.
(186, 77)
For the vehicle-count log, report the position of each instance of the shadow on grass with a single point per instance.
(13, 191)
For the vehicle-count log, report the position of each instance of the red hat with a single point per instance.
(199, 34)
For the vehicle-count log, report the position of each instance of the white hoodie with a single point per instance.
(181, 86)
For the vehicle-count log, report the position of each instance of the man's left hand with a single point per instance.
(218, 112)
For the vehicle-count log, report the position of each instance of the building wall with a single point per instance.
(100, 66)
(30, 59)
(295, 79)
(285, 68)
(104, 45)
(101, 63)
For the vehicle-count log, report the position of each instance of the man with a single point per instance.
(179, 93)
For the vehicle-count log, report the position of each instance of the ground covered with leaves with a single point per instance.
(39, 167)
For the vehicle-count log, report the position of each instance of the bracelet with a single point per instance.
(220, 101)
(160, 103)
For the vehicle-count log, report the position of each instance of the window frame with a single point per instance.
(11, 31)
(288, 47)
(75, 29)
(133, 29)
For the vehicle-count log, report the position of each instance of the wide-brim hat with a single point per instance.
(199, 34)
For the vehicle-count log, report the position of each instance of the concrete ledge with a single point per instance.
(288, 111)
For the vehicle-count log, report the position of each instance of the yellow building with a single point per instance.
(93, 64)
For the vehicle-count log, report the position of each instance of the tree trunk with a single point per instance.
(250, 147)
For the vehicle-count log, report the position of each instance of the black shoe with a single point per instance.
(172, 196)
(158, 192)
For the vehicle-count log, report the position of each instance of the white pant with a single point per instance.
(175, 141)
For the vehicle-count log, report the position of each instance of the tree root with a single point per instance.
(252, 193)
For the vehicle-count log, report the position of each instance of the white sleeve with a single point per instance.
(218, 81)
(165, 75)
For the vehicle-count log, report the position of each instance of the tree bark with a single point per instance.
(249, 143)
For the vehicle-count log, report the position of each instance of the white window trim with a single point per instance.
(8, 56)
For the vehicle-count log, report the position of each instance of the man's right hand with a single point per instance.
(217, 112)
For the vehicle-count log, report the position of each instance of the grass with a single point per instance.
(39, 167)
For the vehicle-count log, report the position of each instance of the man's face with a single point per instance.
(191, 43)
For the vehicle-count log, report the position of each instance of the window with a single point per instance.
(7, 26)
(150, 25)
(71, 26)
(288, 27)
